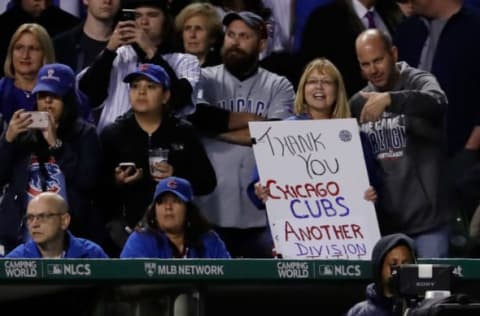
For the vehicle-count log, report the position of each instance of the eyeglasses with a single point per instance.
(42, 217)
(322, 82)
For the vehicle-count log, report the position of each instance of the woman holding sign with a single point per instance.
(320, 95)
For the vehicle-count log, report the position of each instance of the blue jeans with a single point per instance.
(433, 244)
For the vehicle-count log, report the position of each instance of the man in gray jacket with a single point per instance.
(402, 111)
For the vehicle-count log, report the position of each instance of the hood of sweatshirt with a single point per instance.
(382, 247)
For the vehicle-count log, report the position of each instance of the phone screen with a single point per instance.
(39, 119)
(125, 165)
(127, 15)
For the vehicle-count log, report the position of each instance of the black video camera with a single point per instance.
(413, 281)
(426, 291)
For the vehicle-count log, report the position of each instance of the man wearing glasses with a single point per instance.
(47, 220)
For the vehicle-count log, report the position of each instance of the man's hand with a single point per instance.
(370, 194)
(145, 43)
(123, 34)
(375, 105)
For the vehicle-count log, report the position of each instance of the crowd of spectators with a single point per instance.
(122, 79)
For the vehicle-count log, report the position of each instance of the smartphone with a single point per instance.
(39, 119)
(127, 15)
(125, 165)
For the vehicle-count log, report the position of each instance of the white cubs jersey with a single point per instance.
(266, 94)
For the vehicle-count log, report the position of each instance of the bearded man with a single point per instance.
(240, 91)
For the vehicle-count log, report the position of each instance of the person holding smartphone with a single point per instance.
(147, 39)
(62, 156)
(131, 138)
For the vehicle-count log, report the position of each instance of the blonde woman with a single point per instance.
(29, 49)
(321, 92)
(320, 95)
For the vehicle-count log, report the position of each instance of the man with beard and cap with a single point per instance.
(390, 251)
(243, 92)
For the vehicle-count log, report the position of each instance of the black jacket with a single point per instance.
(125, 141)
(79, 159)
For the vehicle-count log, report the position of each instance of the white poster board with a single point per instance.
(316, 173)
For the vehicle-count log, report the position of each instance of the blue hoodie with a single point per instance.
(156, 245)
(77, 248)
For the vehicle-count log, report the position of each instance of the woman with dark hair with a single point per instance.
(173, 227)
(132, 167)
(50, 149)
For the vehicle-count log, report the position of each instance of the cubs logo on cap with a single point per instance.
(172, 184)
(152, 72)
(178, 186)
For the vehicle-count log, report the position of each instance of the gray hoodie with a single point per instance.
(408, 143)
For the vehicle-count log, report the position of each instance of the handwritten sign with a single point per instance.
(316, 173)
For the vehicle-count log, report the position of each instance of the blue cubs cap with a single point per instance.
(253, 20)
(153, 72)
(178, 186)
(55, 78)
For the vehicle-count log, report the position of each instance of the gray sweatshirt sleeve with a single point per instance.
(419, 94)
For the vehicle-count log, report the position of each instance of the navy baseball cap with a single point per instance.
(178, 186)
(153, 72)
(253, 20)
(55, 78)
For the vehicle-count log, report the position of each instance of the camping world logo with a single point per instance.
(150, 268)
